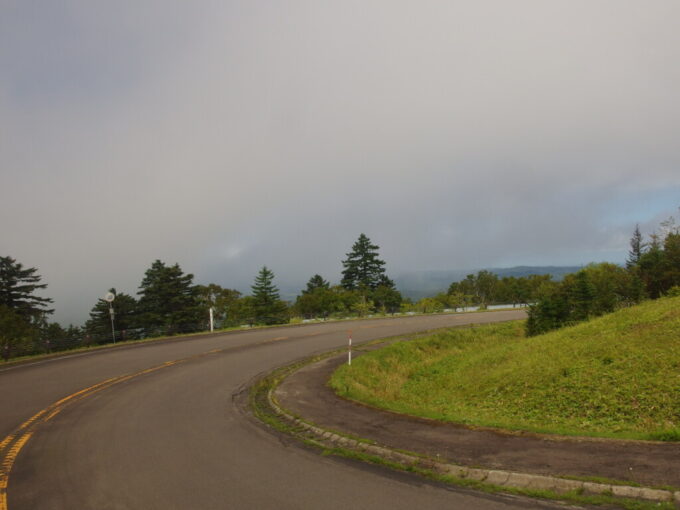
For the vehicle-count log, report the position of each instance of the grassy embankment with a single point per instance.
(615, 376)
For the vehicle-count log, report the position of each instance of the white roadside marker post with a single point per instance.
(349, 351)
(110, 296)
(211, 320)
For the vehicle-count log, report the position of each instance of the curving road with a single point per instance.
(163, 432)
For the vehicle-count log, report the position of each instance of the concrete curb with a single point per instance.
(489, 476)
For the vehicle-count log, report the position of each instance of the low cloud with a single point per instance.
(232, 135)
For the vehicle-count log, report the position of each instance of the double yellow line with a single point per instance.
(14, 442)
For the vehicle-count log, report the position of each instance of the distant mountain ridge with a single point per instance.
(419, 284)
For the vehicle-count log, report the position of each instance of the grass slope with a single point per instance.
(615, 376)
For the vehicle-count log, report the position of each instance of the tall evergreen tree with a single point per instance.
(268, 307)
(363, 268)
(636, 248)
(168, 301)
(17, 288)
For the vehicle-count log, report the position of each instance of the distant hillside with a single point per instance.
(419, 284)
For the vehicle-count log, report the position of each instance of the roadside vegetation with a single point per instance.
(614, 376)
(652, 271)
(259, 403)
(168, 302)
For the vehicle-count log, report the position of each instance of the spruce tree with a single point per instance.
(168, 301)
(363, 268)
(268, 307)
(17, 288)
(636, 248)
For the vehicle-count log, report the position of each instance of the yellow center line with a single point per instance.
(6, 441)
(26, 429)
(6, 466)
(23, 432)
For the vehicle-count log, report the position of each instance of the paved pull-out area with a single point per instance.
(306, 394)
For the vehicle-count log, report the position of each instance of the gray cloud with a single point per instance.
(227, 135)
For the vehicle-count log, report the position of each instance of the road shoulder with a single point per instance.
(643, 469)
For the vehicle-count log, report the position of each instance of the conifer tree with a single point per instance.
(268, 307)
(17, 288)
(636, 248)
(168, 301)
(363, 268)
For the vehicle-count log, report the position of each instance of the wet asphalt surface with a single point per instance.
(173, 438)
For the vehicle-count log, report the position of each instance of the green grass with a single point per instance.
(615, 376)
(259, 404)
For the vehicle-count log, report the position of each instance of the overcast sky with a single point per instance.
(230, 134)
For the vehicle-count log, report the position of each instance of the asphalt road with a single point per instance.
(171, 436)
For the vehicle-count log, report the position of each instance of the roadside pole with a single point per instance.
(211, 320)
(349, 351)
(109, 298)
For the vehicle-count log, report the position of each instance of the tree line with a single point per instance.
(168, 303)
(652, 271)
